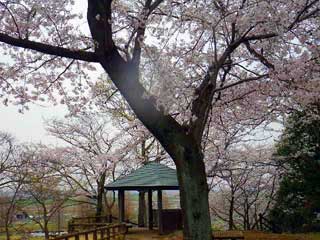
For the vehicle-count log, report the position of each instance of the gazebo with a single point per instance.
(151, 177)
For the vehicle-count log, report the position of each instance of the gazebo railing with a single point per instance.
(85, 223)
(110, 232)
(93, 219)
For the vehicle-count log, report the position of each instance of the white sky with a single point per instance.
(28, 126)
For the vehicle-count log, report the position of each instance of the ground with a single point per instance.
(145, 234)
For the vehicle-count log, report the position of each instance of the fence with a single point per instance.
(110, 232)
(86, 223)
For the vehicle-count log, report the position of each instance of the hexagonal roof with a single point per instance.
(153, 176)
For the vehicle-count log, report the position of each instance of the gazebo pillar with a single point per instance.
(121, 205)
(160, 225)
(142, 209)
(150, 209)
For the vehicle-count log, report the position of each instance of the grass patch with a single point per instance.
(314, 236)
(251, 235)
(19, 237)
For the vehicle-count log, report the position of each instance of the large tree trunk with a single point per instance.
(193, 195)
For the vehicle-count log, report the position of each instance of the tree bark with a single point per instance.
(231, 207)
(100, 195)
(7, 231)
(46, 230)
(193, 195)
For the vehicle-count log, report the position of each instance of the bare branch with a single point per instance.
(49, 49)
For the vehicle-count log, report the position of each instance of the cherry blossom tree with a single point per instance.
(237, 58)
(12, 191)
(12, 178)
(95, 152)
(244, 186)
(7, 152)
(44, 186)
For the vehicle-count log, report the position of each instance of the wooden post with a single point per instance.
(113, 232)
(142, 209)
(121, 205)
(108, 234)
(102, 234)
(160, 225)
(70, 226)
(95, 237)
(150, 209)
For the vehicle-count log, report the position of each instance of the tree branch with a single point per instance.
(147, 10)
(49, 49)
(240, 82)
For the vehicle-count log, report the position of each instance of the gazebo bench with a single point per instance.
(127, 226)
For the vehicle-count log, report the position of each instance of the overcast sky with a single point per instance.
(28, 126)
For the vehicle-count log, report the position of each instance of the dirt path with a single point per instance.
(145, 234)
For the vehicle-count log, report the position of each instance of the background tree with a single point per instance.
(12, 195)
(298, 200)
(94, 149)
(12, 178)
(46, 189)
(7, 153)
(214, 57)
(244, 187)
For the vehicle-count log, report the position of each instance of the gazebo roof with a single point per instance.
(150, 176)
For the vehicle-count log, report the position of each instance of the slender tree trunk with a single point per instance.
(8, 219)
(7, 231)
(46, 230)
(99, 207)
(245, 216)
(109, 205)
(100, 195)
(231, 224)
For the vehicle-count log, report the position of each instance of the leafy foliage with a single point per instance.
(299, 150)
